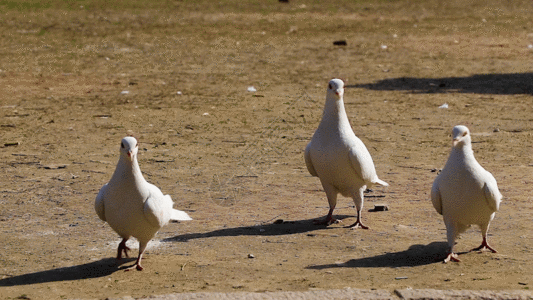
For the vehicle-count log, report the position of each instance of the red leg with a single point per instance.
(137, 265)
(122, 248)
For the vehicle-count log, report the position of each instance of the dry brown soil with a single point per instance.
(76, 77)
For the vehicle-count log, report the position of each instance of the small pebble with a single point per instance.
(381, 207)
(340, 43)
(251, 256)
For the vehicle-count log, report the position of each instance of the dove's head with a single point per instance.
(335, 89)
(128, 147)
(460, 136)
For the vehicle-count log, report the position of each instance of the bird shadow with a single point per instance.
(271, 229)
(95, 269)
(416, 255)
(500, 84)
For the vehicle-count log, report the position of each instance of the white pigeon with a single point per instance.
(131, 205)
(340, 159)
(464, 193)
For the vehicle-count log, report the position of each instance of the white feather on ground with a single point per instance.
(464, 193)
(131, 205)
(338, 158)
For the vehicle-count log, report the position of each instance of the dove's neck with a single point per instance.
(128, 171)
(335, 114)
(463, 154)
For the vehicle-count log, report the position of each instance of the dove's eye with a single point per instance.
(122, 145)
(464, 134)
(330, 87)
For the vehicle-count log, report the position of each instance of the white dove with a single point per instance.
(131, 205)
(340, 159)
(464, 193)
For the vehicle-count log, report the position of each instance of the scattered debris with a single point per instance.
(251, 256)
(55, 166)
(445, 105)
(9, 144)
(292, 29)
(340, 43)
(251, 89)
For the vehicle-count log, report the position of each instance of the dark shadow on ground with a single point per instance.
(94, 269)
(416, 255)
(499, 84)
(272, 229)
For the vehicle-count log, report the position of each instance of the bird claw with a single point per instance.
(484, 247)
(452, 257)
(357, 224)
(138, 267)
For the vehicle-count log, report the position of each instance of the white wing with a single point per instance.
(436, 198)
(158, 207)
(492, 194)
(308, 162)
(99, 203)
(362, 163)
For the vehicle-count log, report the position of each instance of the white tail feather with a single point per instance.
(380, 182)
(178, 215)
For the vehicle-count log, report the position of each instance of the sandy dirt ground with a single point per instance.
(75, 78)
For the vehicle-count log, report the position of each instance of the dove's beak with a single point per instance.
(338, 92)
(456, 141)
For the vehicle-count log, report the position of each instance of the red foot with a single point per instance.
(358, 224)
(452, 257)
(136, 266)
(485, 246)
